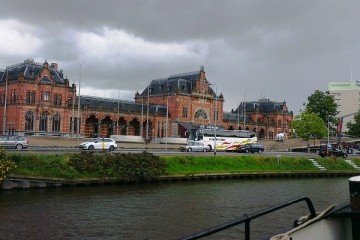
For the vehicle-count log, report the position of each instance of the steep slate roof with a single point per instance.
(183, 83)
(233, 117)
(30, 70)
(263, 106)
(124, 106)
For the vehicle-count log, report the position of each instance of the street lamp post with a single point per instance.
(215, 117)
(167, 117)
(328, 133)
(6, 87)
(147, 116)
(118, 114)
(78, 125)
(73, 112)
(142, 118)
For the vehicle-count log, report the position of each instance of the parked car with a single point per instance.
(196, 147)
(15, 142)
(99, 144)
(251, 147)
(329, 151)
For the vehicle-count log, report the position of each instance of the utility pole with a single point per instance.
(147, 116)
(216, 115)
(117, 120)
(167, 115)
(78, 116)
(6, 90)
(244, 111)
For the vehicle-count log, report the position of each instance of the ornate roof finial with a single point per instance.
(202, 68)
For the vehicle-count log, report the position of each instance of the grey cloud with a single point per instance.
(279, 49)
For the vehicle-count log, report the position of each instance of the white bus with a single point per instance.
(226, 140)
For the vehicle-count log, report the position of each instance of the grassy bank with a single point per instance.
(145, 166)
(235, 164)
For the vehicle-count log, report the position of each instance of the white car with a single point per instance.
(99, 144)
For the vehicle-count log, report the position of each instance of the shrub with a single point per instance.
(5, 164)
(132, 167)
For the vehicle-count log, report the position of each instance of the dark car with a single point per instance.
(329, 151)
(251, 147)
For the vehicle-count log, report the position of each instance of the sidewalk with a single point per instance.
(73, 142)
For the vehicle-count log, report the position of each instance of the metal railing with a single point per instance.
(247, 219)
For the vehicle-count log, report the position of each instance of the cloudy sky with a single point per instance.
(278, 49)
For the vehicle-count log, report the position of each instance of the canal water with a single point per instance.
(165, 210)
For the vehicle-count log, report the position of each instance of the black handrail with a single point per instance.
(247, 218)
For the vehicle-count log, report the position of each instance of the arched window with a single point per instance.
(56, 123)
(29, 121)
(43, 122)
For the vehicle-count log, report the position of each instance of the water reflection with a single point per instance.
(158, 210)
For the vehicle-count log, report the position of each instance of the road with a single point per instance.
(157, 150)
(56, 145)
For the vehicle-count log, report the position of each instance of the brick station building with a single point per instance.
(41, 101)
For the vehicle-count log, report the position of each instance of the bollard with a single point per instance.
(354, 187)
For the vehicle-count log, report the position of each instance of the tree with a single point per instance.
(354, 128)
(323, 105)
(308, 125)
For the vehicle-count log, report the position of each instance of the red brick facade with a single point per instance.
(40, 101)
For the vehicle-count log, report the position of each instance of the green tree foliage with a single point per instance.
(354, 127)
(323, 105)
(308, 125)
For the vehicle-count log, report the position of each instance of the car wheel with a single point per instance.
(111, 148)
(247, 150)
(19, 146)
(345, 155)
(205, 150)
(91, 147)
(260, 151)
(189, 149)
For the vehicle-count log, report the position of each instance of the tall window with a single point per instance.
(2, 98)
(56, 123)
(216, 115)
(55, 99)
(59, 100)
(28, 97)
(70, 101)
(33, 97)
(185, 112)
(43, 122)
(29, 121)
(13, 97)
